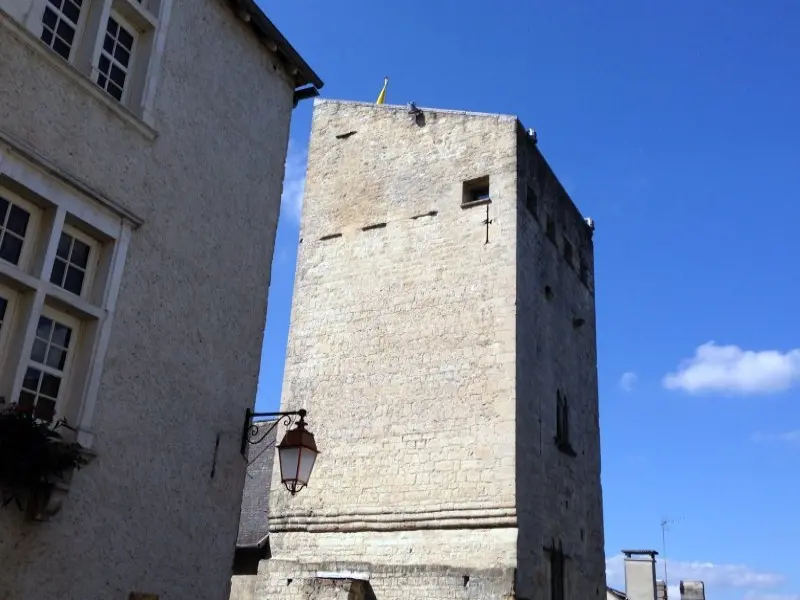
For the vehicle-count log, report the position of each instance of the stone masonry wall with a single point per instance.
(314, 581)
(559, 496)
(402, 342)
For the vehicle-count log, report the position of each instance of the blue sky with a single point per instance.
(676, 126)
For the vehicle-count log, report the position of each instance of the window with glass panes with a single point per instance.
(60, 25)
(114, 64)
(44, 252)
(109, 41)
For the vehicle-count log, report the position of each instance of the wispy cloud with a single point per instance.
(294, 181)
(628, 381)
(786, 437)
(714, 575)
(732, 370)
(762, 596)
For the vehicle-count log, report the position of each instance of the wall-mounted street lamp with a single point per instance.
(296, 453)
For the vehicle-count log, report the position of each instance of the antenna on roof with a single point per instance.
(665, 523)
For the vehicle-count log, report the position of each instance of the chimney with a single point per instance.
(693, 590)
(661, 590)
(640, 574)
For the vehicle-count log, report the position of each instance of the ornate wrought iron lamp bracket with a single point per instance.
(251, 433)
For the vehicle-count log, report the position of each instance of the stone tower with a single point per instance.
(443, 343)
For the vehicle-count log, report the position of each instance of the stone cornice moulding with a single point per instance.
(383, 520)
(30, 155)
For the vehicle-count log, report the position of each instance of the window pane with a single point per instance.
(18, 221)
(125, 38)
(10, 248)
(44, 328)
(50, 385)
(45, 409)
(31, 381)
(71, 10)
(74, 280)
(56, 358)
(80, 254)
(64, 245)
(61, 335)
(57, 274)
(69, 267)
(39, 351)
(26, 400)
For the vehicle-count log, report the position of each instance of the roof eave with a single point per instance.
(301, 73)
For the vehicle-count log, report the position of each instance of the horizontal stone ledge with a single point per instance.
(466, 507)
(406, 525)
(397, 517)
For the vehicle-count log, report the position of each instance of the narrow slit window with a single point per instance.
(60, 25)
(116, 56)
(584, 273)
(562, 420)
(532, 202)
(557, 573)
(568, 252)
(551, 230)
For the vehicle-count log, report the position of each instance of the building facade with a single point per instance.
(443, 342)
(142, 149)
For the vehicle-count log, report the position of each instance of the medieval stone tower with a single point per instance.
(443, 343)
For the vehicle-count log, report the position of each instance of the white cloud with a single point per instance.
(294, 181)
(731, 370)
(786, 437)
(714, 575)
(760, 596)
(628, 380)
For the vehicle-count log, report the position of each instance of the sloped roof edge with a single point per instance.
(266, 31)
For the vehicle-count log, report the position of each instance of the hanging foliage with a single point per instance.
(33, 456)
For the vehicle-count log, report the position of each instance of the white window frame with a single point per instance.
(91, 266)
(150, 26)
(130, 72)
(64, 205)
(34, 220)
(10, 296)
(80, 26)
(66, 375)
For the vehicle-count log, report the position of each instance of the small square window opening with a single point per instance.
(476, 191)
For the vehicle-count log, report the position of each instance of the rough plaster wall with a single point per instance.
(402, 342)
(559, 496)
(291, 581)
(184, 355)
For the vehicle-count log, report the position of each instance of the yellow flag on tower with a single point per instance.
(382, 96)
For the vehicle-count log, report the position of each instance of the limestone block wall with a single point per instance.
(559, 497)
(327, 581)
(402, 341)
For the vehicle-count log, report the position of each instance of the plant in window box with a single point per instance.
(34, 458)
